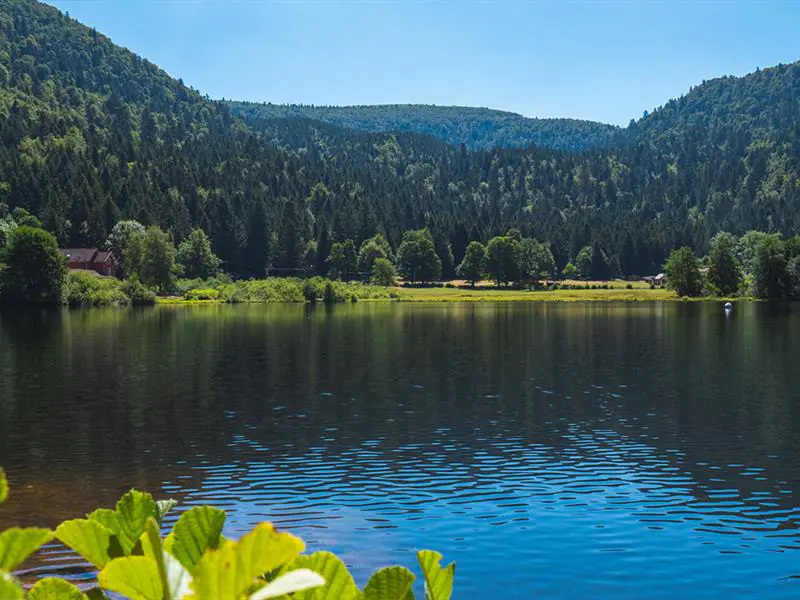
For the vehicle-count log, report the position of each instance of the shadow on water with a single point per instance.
(626, 450)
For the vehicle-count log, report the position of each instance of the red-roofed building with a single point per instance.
(90, 259)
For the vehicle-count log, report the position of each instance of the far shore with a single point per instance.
(461, 291)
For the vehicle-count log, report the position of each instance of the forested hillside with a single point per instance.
(476, 128)
(92, 134)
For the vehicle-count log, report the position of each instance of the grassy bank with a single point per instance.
(317, 289)
(487, 294)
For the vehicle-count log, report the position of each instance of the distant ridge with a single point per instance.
(477, 128)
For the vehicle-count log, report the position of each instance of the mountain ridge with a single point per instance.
(476, 127)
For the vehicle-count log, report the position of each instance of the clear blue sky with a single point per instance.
(601, 60)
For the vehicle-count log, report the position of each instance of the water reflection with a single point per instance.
(568, 451)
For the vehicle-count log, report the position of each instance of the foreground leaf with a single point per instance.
(133, 511)
(94, 542)
(391, 583)
(339, 584)
(52, 588)
(3, 486)
(18, 544)
(110, 520)
(229, 572)
(135, 577)
(175, 579)
(9, 588)
(289, 583)
(438, 580)
(197, 530)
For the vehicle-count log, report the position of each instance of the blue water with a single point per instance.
(552, 451)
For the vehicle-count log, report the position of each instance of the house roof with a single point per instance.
(103, 257)
(79, 255)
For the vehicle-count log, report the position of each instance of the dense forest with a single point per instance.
(476, 128)
(93, 134)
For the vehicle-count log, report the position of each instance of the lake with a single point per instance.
(551, 450)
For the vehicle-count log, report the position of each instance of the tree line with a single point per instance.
(764, 265)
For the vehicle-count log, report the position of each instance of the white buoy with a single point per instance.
(728, 306)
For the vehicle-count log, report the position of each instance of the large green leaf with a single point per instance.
(94, 542)
(197, 530)
(51, 588)
(174, 577)
(229, 572)
(438, 580)
(3, 486)
(18, 544)
(135, 577)
(289, 583)
(339, 584)
(391, 583)
(9, 588)
(163, 507)
(133, 511)
(110, 520)
(265, 549)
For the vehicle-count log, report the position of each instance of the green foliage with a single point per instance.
(197, 530)
(196, 257)
(33, 270)
(3, 486)
(570, 271)
(682, 273)
(16, 545)
(473, 267)
(770, 268)
(583, 261)
(417, 258)
(158, 266)
(137, 292)
(535, 261)
(438, 580)
(118, 241)
(288, 289)
(371, 250)
(51, 588)
(87, 288)
(390, 583)
(339, 584)
(202, 294)
(10, 589)
(342, 261)
(503, 259)
(724, 272)
(195, 562)
(383, 273)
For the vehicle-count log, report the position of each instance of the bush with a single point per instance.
(86, 288)
(196, 561)
(629, 286)
(202, 294)
(137, 292)
(310, 291)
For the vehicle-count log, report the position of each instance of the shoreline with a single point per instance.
(430, 295)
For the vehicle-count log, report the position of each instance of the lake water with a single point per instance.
(552, 451)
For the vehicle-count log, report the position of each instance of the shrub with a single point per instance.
(195, 561)
(86, 288)
(202, 294)
(310, 291)
(629, 286)
(137, 292)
